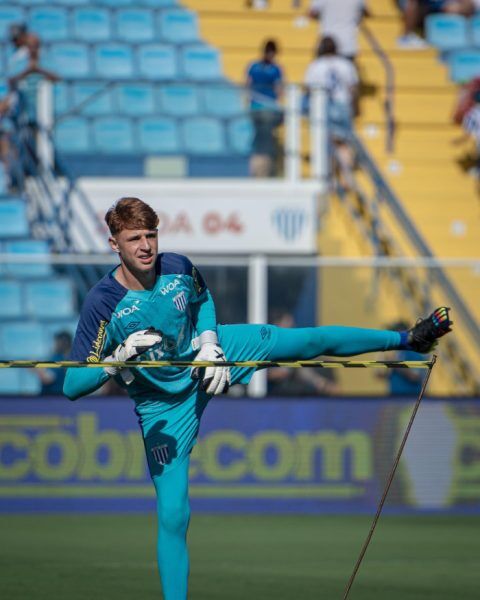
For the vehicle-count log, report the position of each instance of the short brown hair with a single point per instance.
(130, 213)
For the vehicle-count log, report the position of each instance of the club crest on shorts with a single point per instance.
(160, 454)
(180, 301)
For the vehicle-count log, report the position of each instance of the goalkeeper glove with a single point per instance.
(423, 335)
(136, 343)
(215, 380)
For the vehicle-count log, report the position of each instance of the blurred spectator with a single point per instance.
(469, 113)
(340, 20)
(264, 80)
(299, 382)
(415, 11)
(403, 382)
(466, 100)
(338, 77)
(52, 379)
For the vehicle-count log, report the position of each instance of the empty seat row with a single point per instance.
(155, 135)
(139, 99)
(45, 299)
(95, 24)
(449, 32)
(30, 269)
(113, 61)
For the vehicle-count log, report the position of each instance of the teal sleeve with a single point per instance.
(204, 314)
(83, 381)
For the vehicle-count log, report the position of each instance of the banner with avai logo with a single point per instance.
(271, 455)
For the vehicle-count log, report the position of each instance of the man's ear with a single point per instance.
(113, 244)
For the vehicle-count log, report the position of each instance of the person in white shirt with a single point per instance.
(338, 76)
(340, 20)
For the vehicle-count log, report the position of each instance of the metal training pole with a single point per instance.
(389, 480)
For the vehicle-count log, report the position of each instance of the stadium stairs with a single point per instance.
(423, 170)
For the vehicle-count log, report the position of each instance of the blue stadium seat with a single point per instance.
(25, 270)
(30, 3)
(223, 100)
(113, 61)
(72, 135)
(11, 305)
(180, 100)
(446, 32)
(13, 219)
(101, 102)
(135, 99)
(113, 135)
(159, 135)
(240, 136)
(51, 23)
(9, 15)
(49, 299)
(158, 3)
(51, 329)
(92, 24)
(475, 30)
(3, 87)
(201, 63)
(61, 98)
(69, 60)
(464, 65)
(157, 61)
(19, 382)
(72, 2)
(178, 26)
(203, 136)
(3, 181)
(135, 25)
(37, 347)
(117, 3)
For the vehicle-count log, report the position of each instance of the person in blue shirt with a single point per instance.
(264, 82)
(157, 306)
(52, 379)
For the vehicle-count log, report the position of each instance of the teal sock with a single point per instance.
(332, 340)
(173, 511)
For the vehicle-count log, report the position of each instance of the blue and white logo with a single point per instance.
(180, 301)
(289, 222)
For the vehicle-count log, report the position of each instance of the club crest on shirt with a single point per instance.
(160, 454)
(180, 301)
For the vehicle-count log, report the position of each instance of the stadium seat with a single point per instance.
(9, 15)
(51, 23)
(19, 382)
(135, 99)
(37, 347)
(13, 219)
(201, 63)
(69, 60)
(203, 136)
(3, 87)
(72, 135)
(135, 25)
(464, 65)
(50, 329)
(113, 61)
(73, 2)
(61, 98)
(223, 100)
(158, 3)
(180, 100)
(101, 102)
(49, 299)
(117, 3)
(475, 30)
(159, 135)
(113, 135)
(92, 24)
(25, 270)
(11, 305)
(240, 136)
(446, 32)
(178, 26)
(3, 180)
(157, 61)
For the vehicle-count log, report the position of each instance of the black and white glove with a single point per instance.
(215, 380)
(136, 343)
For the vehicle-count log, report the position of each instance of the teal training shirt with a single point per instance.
(179, 305)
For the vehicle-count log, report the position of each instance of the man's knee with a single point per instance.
(173, 516)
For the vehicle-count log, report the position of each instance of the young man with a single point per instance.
(157, 306)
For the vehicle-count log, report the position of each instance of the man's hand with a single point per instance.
(215, 380)
(137, 343)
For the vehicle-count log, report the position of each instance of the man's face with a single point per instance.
(138, 248)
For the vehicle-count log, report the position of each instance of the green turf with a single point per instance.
(241, 557)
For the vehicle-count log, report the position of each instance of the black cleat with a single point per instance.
(423, 335)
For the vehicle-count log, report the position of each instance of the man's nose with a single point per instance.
(146, 244)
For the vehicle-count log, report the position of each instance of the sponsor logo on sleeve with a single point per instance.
(197, 281)
(97, 346)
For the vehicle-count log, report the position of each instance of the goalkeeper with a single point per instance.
(157, 307)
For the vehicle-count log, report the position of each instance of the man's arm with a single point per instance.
(83, 381)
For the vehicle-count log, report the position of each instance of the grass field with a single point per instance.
(241, 557)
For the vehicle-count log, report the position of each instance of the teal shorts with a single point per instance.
(170, 430)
